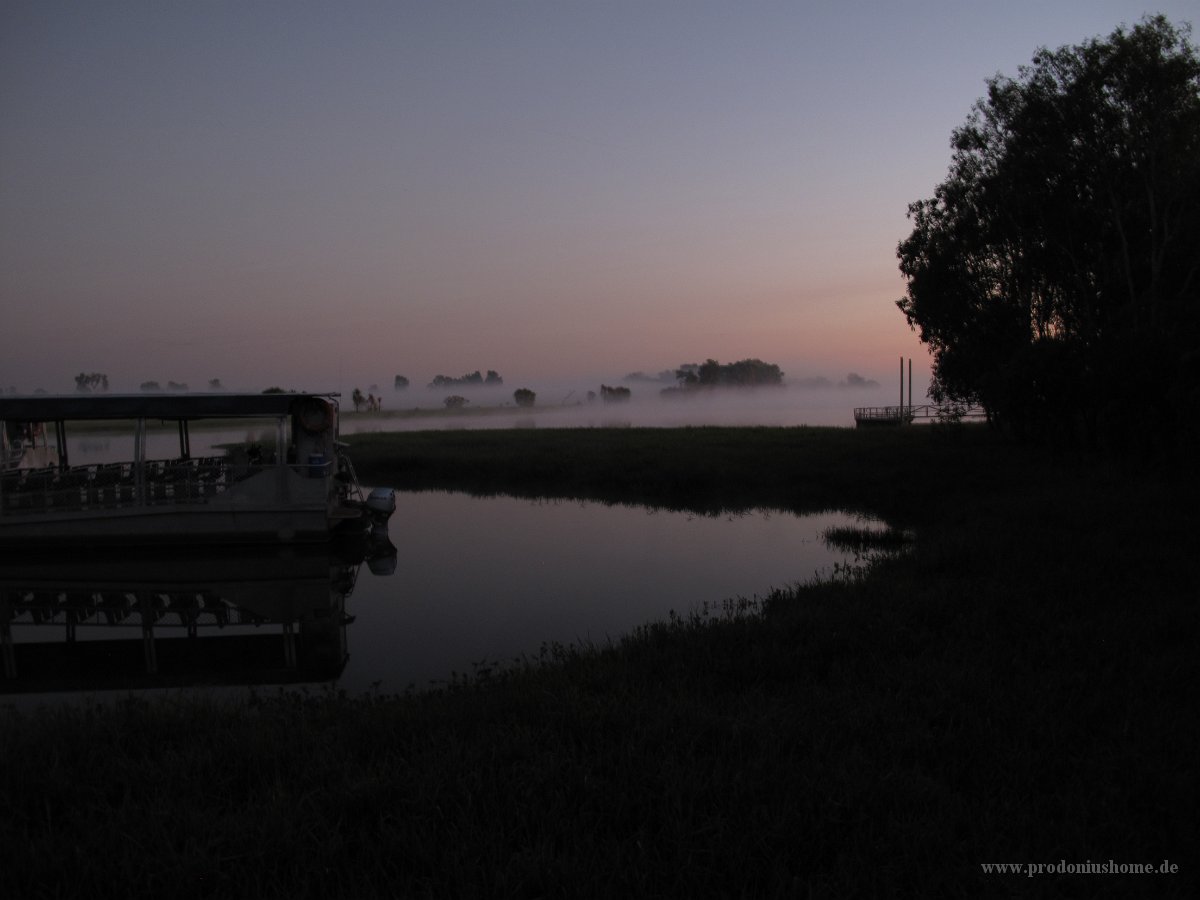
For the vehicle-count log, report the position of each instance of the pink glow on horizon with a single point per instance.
(559, 192)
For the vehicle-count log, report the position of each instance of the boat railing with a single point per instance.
(179, 608)
(116, 485)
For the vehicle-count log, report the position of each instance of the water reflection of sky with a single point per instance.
(492, 579)
(487, 580)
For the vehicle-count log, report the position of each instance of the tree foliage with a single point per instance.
(89, 382)
(618, 394)
(1054, 273)
(472, 379)
(744, 373)
(524, 397)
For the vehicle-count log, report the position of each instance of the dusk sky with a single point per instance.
(323, 195)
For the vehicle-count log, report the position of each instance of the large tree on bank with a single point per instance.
(1055, 273)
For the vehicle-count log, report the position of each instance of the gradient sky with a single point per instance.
(320, 195)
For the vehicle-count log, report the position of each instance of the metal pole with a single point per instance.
(139, 462)
(910, 382)
(60, 438)
(281, 481)
(901, 385)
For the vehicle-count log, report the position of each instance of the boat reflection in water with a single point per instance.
(172, 619)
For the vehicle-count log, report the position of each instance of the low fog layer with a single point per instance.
(563, 405)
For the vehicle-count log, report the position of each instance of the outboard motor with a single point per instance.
(380, 503)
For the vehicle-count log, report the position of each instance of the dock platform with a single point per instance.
(870, 416)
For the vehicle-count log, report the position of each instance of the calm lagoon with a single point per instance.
(474, 582)
(481, 580)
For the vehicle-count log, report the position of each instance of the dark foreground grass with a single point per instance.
(1018, 686)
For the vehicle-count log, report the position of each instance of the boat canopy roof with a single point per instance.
(73, 407)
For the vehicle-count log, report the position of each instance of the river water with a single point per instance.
(487, 580)
(472, 582)
(460, 585)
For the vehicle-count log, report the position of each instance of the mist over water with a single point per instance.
(564, 406)
(557, 406)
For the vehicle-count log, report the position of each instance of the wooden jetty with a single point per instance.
(906, 413)
(868, 416)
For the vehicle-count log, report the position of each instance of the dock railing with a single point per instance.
(906, 415)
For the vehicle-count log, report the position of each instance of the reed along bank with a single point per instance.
(1018, 685)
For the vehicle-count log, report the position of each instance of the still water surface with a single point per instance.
(491, 579)
(474, 581)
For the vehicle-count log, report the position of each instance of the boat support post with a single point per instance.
(281, 459)
(60, 439)
(139, 462)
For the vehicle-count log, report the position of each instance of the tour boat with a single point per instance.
(299, 488)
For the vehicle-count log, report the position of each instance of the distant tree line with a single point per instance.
(373, 402)
(741, 374)
(93, 382)
(854, 380)
(666, 376)
(474, 379)
(152, 386)
(90, 382)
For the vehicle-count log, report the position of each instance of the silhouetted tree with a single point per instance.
(688, 375)
(357, 398)
(400, 384)
(1054, 273)
(454, 401)
(524, 397)
(88, 382)
(745, 373)
(473, 379)
(854, 380)
(214, 384)
(614, 394)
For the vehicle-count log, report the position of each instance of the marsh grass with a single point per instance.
(860, 538)
(1018, 685)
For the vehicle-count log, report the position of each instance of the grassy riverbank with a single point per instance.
(1020, 687)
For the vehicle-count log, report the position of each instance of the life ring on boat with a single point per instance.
(313, 415)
